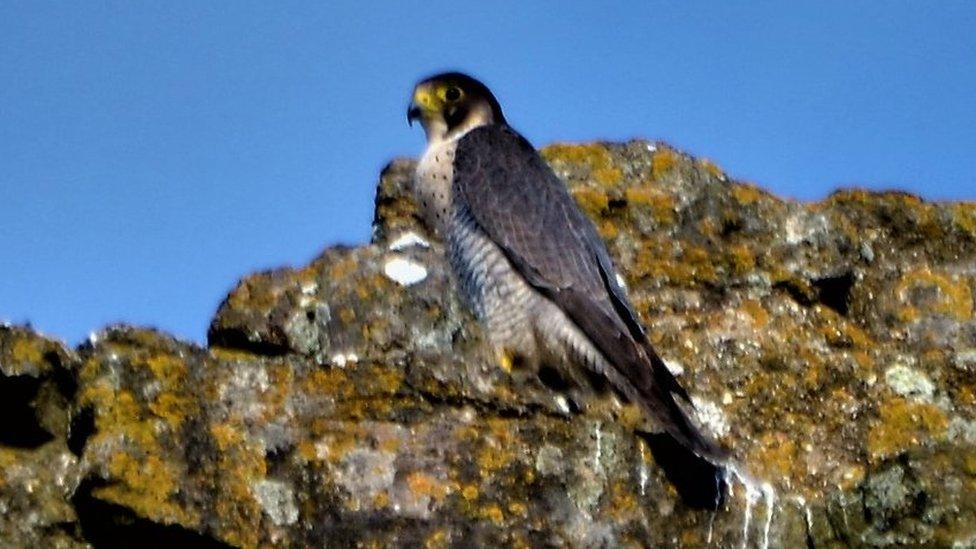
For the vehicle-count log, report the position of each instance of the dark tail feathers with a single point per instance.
(701, 483)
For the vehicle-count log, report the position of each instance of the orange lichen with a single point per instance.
(904, 424)
(863, 359)
(424, 485)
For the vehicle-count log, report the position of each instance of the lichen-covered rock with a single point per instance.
(831, 346)
(38, 473)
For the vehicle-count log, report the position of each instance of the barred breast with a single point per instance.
(499, 296)
(516, 316)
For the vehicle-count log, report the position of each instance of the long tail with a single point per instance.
(696, 463)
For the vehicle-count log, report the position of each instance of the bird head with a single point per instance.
(450, 104)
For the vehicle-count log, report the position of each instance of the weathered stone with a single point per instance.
(38, 474)
(353, 401)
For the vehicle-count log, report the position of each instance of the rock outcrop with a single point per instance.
(831, 346)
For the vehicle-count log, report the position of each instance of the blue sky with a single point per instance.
(153, 153)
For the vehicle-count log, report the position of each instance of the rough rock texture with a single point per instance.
(831, 346)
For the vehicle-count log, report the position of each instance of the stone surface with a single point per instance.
(831, 346)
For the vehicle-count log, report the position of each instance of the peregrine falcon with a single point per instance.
(536, 273)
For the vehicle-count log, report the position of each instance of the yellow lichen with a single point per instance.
(381, 499)
(608, 229)
(254, 293)
(712, 168)
(226, 436)
(497, 452)
(851, 477)
(964, 217)
(756, 310)
(592, 201)
(623, 502)
(168, 369)
(746, 194)
(384, 380)
(951, 296)
(470, 492)
(25, 350)
(630, 416)
(593, 155)
(904, 424)
(147, 486)
(741, 259)
(662, 162)
(661, 204)
(331, 381)
(776, 457)
(969, 463)
(437, 540)
(172, 408)
(347, 315)
(518, 509)
(343, 268)
(493, 513)
(230, 355)
(693, 264)
(966, 394)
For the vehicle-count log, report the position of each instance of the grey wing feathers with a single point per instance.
(514, 197)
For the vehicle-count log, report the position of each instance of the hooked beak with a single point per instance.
(413, 113)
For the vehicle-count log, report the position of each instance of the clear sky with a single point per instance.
(151, 153)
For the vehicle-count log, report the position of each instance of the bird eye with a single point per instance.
(452, 94)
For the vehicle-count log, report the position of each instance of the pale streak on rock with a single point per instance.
(407, 240)
(404, 271)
